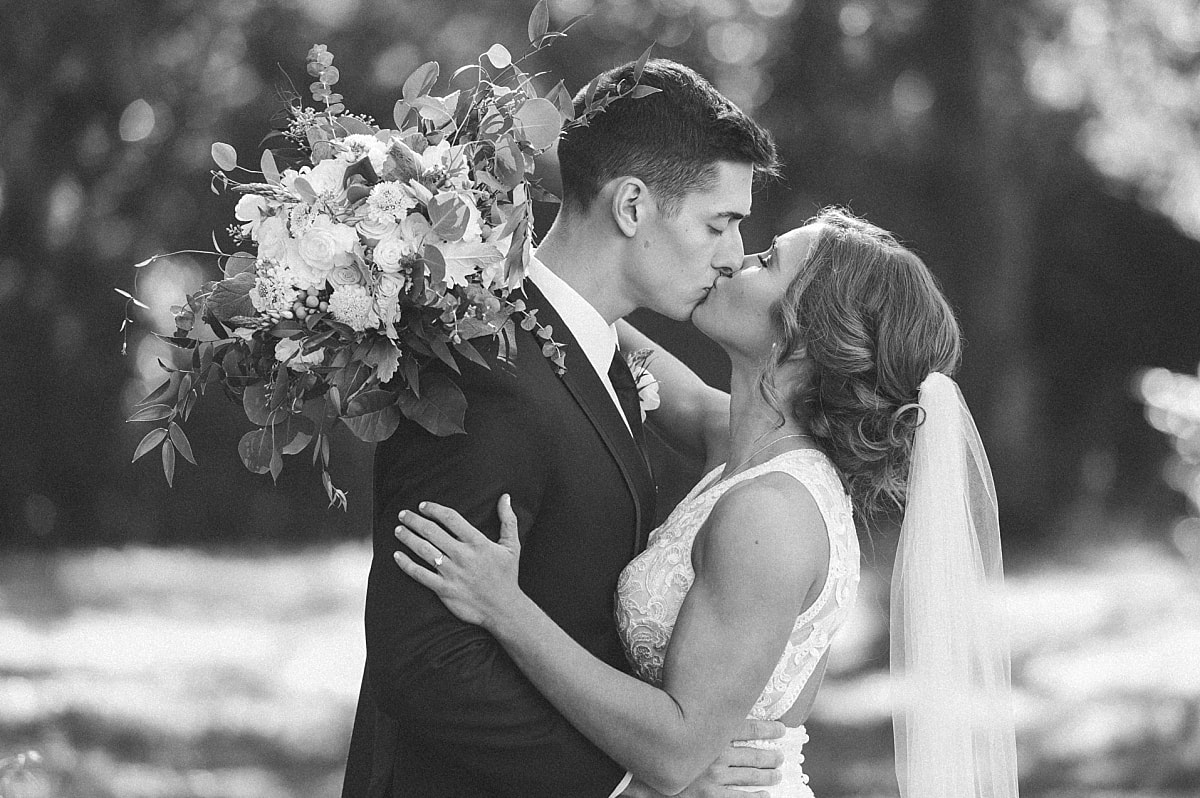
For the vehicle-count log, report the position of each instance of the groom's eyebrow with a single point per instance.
(734, 215)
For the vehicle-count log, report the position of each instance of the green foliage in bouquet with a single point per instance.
(378, 252)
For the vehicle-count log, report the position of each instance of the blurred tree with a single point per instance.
(1040, 154)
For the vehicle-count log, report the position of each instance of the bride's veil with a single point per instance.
(952, 713)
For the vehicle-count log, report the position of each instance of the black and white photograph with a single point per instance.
(599, 398)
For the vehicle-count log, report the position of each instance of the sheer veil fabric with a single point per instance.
(952, 712)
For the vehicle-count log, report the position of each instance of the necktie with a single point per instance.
(627, 394)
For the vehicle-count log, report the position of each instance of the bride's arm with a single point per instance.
(759, 559)
(693, 416)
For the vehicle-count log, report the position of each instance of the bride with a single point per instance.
(840, 404)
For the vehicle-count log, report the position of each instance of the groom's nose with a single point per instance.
(728, 257)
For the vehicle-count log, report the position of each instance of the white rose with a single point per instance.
(389, 287)
(272, 238)
(374, 228)
(389, 252)
(345, 274)
(326, 244)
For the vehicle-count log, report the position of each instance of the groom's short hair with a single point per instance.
(671, 140)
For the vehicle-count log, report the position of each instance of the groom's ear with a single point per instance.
(630, 198)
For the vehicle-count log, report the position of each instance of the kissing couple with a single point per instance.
(533, 636)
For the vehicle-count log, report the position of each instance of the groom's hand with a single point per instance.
(742, 766)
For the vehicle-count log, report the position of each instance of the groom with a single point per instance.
(653, 191)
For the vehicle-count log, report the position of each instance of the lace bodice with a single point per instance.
(652, 588)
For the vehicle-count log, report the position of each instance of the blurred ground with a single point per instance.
(176, 673)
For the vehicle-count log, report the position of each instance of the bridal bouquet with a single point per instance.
(376, 252)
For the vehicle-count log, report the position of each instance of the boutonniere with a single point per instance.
(647, 386)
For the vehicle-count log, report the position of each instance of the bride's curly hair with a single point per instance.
(871, 322)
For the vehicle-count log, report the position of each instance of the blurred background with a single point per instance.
(1043, 156)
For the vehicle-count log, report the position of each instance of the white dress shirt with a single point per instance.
(596, 337)
(598, 340)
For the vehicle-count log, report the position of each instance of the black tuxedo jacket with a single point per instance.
(443, 711)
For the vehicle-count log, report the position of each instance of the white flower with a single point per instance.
(389, 252)
(352, 305)
(403, 243)
(647, 386)
(324, 245)
(325, 178)
(346, 274)
(390, 287)
(287, 350)
(272, 238)
(274, 286)
(356, 145)
(253, 210)
(390, 200)
(374, 228)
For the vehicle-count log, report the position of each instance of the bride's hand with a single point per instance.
(474, 577)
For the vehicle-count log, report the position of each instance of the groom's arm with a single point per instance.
(449, 682)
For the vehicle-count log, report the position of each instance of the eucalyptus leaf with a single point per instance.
(257, 450)
(499, 55)
(420, 81)
(298, 431)
(303, 187)
(269, 169)
(256, 401)
(224, 155)
(540, 121)
(539, 21)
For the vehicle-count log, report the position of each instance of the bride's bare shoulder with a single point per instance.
(768, 528)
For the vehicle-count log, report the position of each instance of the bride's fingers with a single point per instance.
(418, 572)
(431, 531)
(421, 547)
(509, 533)
(452, 520)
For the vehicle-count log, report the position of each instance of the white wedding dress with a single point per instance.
(652, 588)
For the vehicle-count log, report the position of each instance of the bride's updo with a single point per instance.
(871, 322)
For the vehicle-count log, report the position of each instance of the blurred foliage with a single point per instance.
(144, 672)
(1042, 155)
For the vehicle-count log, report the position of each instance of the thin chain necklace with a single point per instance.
(761, 449)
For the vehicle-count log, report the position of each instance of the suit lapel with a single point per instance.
(590, 394)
